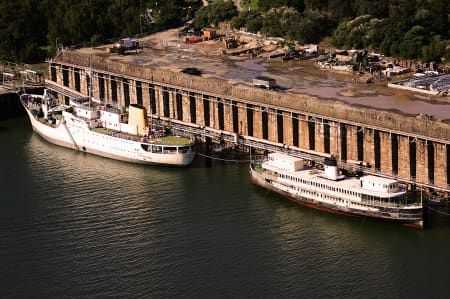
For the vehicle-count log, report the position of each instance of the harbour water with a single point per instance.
(77, 225)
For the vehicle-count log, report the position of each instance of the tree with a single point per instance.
(244, 18)
(265, 5)
(315, 26)
(377, 9)
(271, 23)
(410, 28)
(22, 30)
(412, 42)
(255, 24)
(341, 9)
(436, 50)
(201, 19)
(214, 13)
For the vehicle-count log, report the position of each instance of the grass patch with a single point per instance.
(172, 140)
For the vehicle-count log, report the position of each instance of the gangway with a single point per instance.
(60, 89)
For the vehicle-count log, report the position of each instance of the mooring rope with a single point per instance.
(440, 212)
(226, 160)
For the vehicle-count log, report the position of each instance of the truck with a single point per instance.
(127, 43)
(264, 82)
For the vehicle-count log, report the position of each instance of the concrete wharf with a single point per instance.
(408, 146)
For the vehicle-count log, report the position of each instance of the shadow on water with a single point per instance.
(437, 217)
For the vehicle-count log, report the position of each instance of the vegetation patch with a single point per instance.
(172, 140)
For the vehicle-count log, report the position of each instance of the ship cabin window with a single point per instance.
(183, 149)
(170, 149)
(156, 149)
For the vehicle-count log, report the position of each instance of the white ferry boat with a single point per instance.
(367, 196)
(100, 129)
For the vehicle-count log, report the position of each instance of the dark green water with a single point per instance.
(76, 225)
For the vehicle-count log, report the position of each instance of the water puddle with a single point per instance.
(251, 65)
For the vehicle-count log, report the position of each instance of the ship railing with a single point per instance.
(381, 203)
(271, 176)
(410, 216)
(417, 216)
(87, 107)
(172, 151)
(110, 109)
(121, 135)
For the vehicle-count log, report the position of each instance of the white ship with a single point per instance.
(367, 196)
(106, 131)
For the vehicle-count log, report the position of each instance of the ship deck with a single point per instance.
(349, 186)
(169, 140)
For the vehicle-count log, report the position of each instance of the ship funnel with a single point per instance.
(331, 170)
(137, 116)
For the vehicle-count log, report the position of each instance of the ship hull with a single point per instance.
(74, 134)
(260, 180)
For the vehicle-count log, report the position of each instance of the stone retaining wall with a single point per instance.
(367, 117)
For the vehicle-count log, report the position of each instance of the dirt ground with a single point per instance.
(169, 50)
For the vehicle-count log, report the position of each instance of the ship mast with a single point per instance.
(89, 72)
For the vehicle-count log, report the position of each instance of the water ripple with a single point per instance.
(76, 225)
